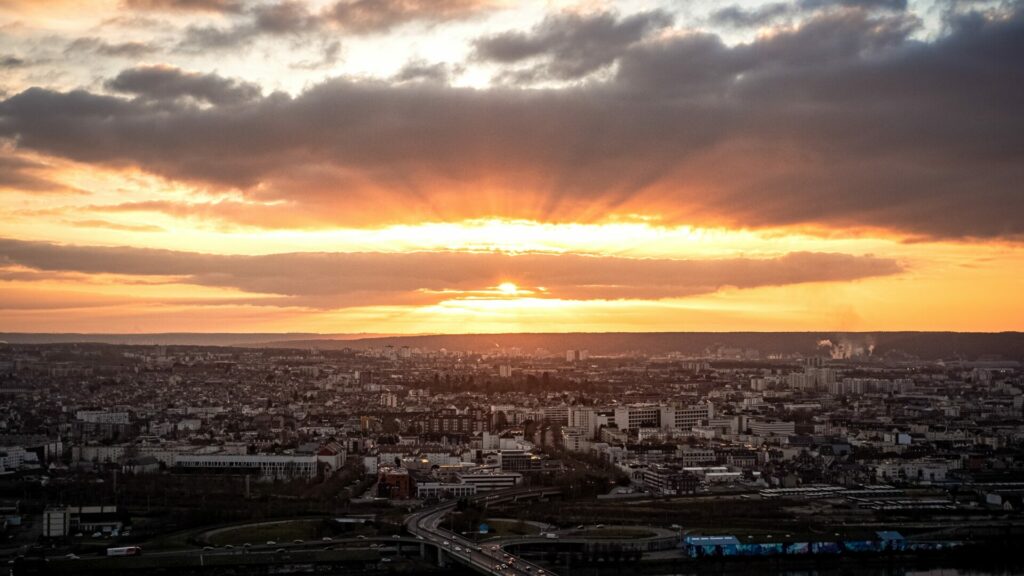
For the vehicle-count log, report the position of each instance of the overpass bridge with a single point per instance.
(491, 559)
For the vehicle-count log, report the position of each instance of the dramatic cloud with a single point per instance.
(372, 16)
(104, 48)
(285, 18)
(163, 83)
(739, 17)
(11, 62)
(337, 280)
(21, 175)
(844, 121)
(187, 5)
(571, 45)
(419, 71)
(869, 4)
(114, 226)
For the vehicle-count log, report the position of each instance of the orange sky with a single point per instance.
(463, 166)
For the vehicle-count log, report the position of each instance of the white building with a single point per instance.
(56, 523)
(486, 481)
(267, 466)
(771, 428)
(426, 490)
(102, 417)
(638, 416)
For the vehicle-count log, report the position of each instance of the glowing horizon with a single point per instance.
(482, 166)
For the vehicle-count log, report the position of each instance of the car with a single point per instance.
(327, 539)
(418, 537)
(580, 527)
(361, 537)
(71, 556)
(279, 550)
(271, 543)
(298, 541)
(208, 548)
(446, 543)
(385, 559)
(458, 549)
(246, 545)
(228, 547)
(599, 526)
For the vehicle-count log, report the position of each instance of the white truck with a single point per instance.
(124, 551)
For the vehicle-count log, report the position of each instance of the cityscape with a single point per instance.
(511, 287)
(378, 456)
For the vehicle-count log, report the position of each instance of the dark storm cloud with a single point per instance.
(571, 45)
(843, 121)
(163, 83)
(372, 16)
(334, 280)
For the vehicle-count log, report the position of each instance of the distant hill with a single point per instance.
(173, 338)
(927, 345)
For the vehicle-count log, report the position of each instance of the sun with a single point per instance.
(508, 288)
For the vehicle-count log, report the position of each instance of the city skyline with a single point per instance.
(407, 167)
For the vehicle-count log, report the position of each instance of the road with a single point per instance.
(489, 558)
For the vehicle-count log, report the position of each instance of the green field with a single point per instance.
(613, 533)
(511, 528)
(283, 531)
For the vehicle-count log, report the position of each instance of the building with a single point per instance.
(488, 480)
(12, 458)
(576, 439)
(576, 355)
(102, 417)
(584, 418)
(394, 483)
(264, 466)
(771, 428)
(518, 461)
(56, 523)
(638, 416)
(556, 415)
(667, 480)
(444, 490)
(685, 418)
(689, 456)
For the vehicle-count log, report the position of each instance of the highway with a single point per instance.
(487, 558)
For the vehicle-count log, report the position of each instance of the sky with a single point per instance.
(451, 166)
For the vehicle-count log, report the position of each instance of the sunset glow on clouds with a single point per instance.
(478, 166)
